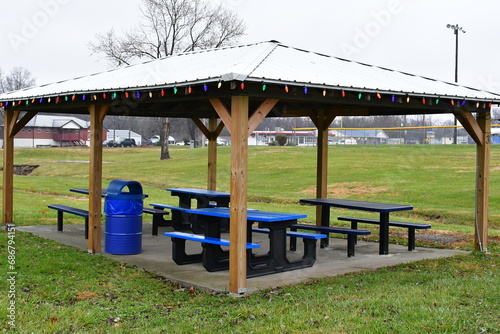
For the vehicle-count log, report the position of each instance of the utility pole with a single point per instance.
(456, 29)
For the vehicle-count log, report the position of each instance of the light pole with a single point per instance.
(456, 29)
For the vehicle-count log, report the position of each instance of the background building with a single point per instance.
(54, 131)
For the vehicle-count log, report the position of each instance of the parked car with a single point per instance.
(347, 141)
(110, 143)
(128, 142)
(146, 142)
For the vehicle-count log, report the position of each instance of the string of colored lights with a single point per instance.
(152, 93)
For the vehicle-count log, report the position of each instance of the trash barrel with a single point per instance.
(123, 211)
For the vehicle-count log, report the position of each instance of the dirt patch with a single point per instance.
(347, 188)
(447, 239)
(23, 169)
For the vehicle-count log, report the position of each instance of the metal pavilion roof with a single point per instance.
(265, 64)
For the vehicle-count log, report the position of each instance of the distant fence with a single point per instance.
(441, 134)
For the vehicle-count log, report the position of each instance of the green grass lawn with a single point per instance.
(62, 289)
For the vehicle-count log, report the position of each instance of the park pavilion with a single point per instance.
(237, 87)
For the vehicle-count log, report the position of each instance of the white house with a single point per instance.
(299, 138)
(53, 131)
(119, 135)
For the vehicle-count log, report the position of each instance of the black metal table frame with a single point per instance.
(382, 208)
(203, 199)
(215, 258)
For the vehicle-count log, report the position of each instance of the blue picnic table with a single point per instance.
(274, 223)
(204, 198)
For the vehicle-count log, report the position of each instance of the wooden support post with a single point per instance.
(322, 120)
(322, 169)
(12, 125)
(97, 114)
(212, 155)
(322, 157)
(8, 167)
(212, 133)
(482, 182)
(239, 172)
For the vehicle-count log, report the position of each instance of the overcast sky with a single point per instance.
(50, 37)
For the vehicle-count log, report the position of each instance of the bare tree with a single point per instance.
(2, 85)
(18, 78)
(167, 27)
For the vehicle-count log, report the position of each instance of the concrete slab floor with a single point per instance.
(156, 256)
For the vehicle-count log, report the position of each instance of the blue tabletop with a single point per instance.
(196, 191)
(254, 215)
(357, 205)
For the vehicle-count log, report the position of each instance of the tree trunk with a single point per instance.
(165, 133)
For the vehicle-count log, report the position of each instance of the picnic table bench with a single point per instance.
(179, 249)
(158, 218)
(61, 208)
(384, 209)
(181, 220)
(351, 234)
(410, 226)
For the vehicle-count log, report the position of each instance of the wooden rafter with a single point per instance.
(261, 113)
(212, 133)
(206, 132)
(22, 122)
(470, 125)
(223, 112)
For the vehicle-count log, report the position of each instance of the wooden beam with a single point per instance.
(482, 182)
(201, 126)
(212, 133)
(322, 120)
(22, 122)
(470, 125)
(326, 118)
(97, 114)
(238, 184)
(223, 112)
(219, 129)
(10, 118)
(207, 132)
(322, 156)
(12, 125)
(321, 163)
(261, 113)
(212, 153)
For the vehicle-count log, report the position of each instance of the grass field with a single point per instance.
(439, 181)
(62, 289)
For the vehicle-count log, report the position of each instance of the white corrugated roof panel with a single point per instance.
(47, 121)
(228, 64)
(290, 64)
(269, 61)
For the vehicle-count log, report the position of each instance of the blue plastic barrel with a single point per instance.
(123, 210)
